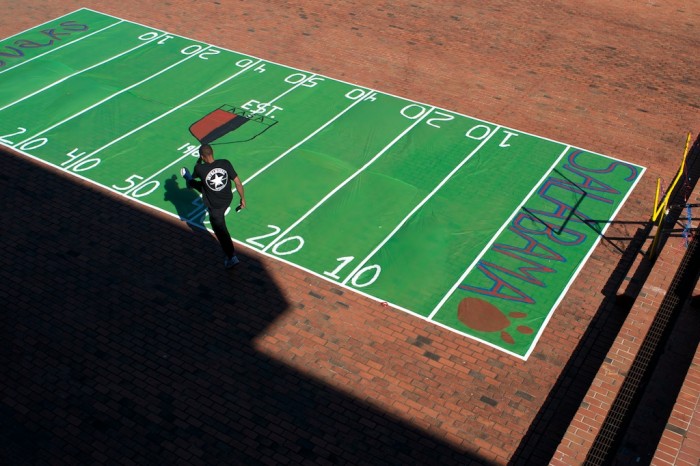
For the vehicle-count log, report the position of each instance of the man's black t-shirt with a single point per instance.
(217, 179)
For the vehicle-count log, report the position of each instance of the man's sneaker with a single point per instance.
(232, 262)
(185, 173)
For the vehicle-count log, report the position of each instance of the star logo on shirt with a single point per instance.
(217, 179)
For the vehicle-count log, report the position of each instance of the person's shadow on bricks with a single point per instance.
(119, 344)
(187, 201)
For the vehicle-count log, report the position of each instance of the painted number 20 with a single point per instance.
(293, 243)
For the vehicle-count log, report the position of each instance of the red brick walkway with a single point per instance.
(680, 443)
(122, 342)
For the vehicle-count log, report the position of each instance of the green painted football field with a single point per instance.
(462, 222)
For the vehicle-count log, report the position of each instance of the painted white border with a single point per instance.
(63, 45)
(427, 319)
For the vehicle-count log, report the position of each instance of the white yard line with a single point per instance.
(470, 268)
(417, 207)
(320, 128)
(348, 180)
(188, 101)
(60, 46)
(300, 83)
(495, 236)
(65, 120)
(583, 262)
(281, 156)
(162, 115)
(383, 93)
(146, 180)
(78, 72)
(31, 28)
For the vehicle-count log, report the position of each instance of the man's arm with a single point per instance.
(239, 188)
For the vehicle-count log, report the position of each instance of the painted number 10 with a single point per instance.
(361, 278)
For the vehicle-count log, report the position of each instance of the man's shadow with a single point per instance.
(187, 202)
(118, 345)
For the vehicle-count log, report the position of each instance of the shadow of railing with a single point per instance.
(639, 413)
(554, 417)
(557, 412)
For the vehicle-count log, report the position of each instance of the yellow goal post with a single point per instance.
(661, 206)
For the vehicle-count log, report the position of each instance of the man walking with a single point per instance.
(214, 179)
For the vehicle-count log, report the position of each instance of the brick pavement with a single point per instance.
(642, 366)
(680, 442)
(120, 345)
